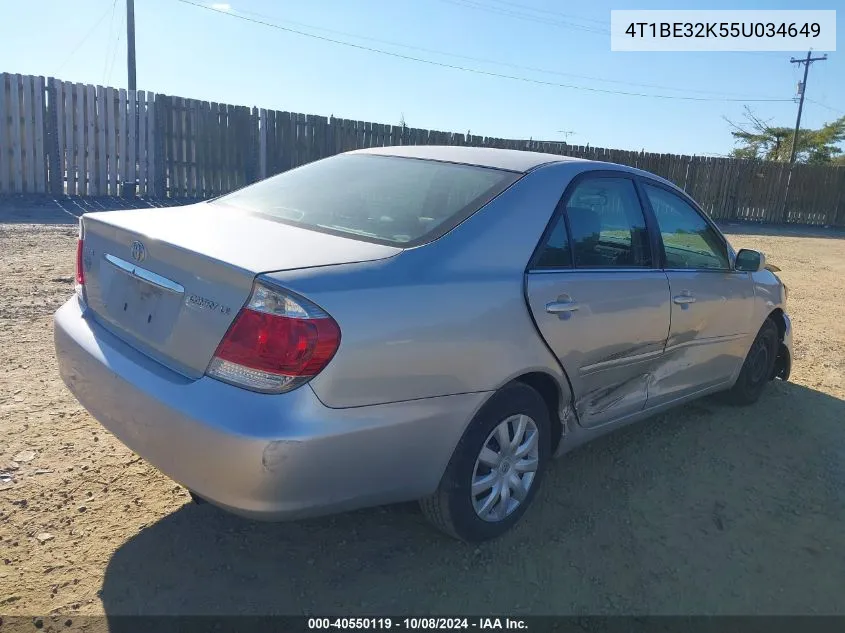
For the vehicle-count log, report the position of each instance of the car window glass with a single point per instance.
(688, 239)
(607, 225)
(556, 253)
(387, 199)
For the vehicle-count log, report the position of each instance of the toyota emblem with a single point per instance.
(139, 251)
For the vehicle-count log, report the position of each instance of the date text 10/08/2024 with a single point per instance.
(418, 624)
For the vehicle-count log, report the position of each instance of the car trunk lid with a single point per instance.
(170, 281)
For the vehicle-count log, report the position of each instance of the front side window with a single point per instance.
(607, 225)
(688, 239)
(385, 199)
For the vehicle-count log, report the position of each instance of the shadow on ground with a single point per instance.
(708, 509)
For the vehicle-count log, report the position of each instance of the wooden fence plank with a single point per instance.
(132, 136)
(100, 124)
(190, 146)
(199, 147)
(153, 179)
(78, 126)
(182, 147)
(70, 141)
(223, 153)
(262, 144)
(5, 157)
(79, 131)
(141, 110)
(176, 189)
(111, 135)
(92, 168)
(17, 150)
(59, 177)
(54, 178)
(40, 136)
(122, 144)
(203, 148)
(28, 143)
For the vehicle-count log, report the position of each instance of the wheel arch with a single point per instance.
(783, 361)
(777, 315)
(554, 394)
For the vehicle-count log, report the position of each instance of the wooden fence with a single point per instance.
(69, 138)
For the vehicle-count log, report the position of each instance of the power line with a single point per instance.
(82, 41)
(550, 12)
(491, 61)
(464, 68)
(108, 41)
(471, 4)
(824, 105)
(116, 47)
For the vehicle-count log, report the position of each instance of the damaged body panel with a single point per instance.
(612, 342)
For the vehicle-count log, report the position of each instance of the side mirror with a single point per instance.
(749, 261)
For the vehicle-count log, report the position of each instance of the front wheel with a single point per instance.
(758, 367)
(496, 468)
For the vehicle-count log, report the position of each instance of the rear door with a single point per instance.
(599, 298)
(711, 303)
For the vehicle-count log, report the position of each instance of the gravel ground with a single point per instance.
(707, 509)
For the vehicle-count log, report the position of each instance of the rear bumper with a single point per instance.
(263, 456)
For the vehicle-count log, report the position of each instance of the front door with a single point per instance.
(711, 303)
(598, 298)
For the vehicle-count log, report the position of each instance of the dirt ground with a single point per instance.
(707, 509)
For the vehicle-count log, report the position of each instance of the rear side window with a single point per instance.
(384, 199)
(688, 239)
(556, 252)
(607, 225)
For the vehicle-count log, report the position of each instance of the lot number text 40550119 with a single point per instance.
(418, 624)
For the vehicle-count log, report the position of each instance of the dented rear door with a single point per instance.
(612, 343)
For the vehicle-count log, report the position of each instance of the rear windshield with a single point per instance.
(384, 199)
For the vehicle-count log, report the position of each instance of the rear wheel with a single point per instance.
(496, 468)
(758, 367)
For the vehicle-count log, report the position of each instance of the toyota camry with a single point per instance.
(410, 323)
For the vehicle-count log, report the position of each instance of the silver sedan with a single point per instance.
(402, 323)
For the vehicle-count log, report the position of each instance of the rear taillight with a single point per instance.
(276, 343)
(79, 286)
(80, 272)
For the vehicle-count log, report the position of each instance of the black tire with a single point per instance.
(450, 508)
(758, 368)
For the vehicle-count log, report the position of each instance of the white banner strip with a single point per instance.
(722, 30)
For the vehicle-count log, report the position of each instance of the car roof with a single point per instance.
(510, 159)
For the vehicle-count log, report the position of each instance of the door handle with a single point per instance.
(561, 307)
(683, 299)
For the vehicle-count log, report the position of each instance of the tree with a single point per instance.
(757, 139)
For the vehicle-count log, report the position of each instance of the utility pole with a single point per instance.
(130, 41)
(809, 60)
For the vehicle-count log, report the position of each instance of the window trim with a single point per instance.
(560, 210)
(640, 182)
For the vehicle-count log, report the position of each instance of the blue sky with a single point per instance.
(192, 52)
